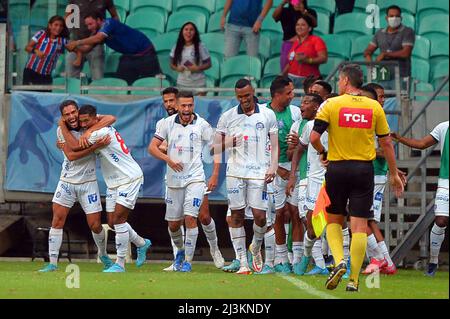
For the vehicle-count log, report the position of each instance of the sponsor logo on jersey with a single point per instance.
(169, 201)
(280, 124)
(92, 198)
(65, 187)
(233, 190)
(378, 196)
(355, 117)
(196, 202)
(193, 136)
(122, 194)
(259, 126)
(264, 196)
(114, 157)
(58, 194)
(252, 167)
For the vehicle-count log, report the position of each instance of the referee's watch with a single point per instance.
(323, 152)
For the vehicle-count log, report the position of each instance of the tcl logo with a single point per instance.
(355, 118)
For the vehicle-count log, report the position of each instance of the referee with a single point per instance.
(352, 121)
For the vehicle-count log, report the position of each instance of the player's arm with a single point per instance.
(270, 174)
(103, 121)
(75, 155)
(368, 52)
(421, 144)
(70, 141)
(297, 153)
(319, 127)
(389, 154)
(155, 151)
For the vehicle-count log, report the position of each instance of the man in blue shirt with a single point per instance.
(246, 17)
(139, 57)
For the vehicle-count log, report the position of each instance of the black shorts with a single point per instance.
(350, 182)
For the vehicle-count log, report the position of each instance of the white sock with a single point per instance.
(286, 231)
(297, 251)
(234, 243)
(372, 248)
(308, 245)
(137, 240)
(100, 242)
(55, 237)
(174, 247)
(177, 238)
(437, 236)
(317, 254)
(210, 233)
(383, 248)
(324, 246)
(191, 241)
(238, 238)
(122, 239)
(281, 253)
(258, 237)
(346, 237)
(269, 246)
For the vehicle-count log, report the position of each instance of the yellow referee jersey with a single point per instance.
(353, 122)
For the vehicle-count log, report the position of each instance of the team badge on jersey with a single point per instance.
(259, 126)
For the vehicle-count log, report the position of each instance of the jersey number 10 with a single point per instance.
(122, 143)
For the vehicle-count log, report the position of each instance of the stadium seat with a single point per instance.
(327, 68)
(323, 24)
(148, 21)
(264, 48)
(149, 82)
(86, 71)
(241, 66)
(271, 28)
(177, 19)
(421, 48)
(407, 6)
(359, 44)
(439, 51)
(207, 7)
(163, 6)
(271, 70)
(352, 25)
(44, 4)
(214, 22)
(121, 12)
(275, 47)
(111, 64)
(325, 6)
(38, 19)
(420, 89)
(165, 42)
(420, 70)
(123, 4)
(338, 46)
(108, 82)
(275, 3)
(434, 27)
(164, 63)
(427, 8)
(59, 81)
(220, 4)
(361, 5)
(213, 73)
(439, 72)
(60, 66)
(215, 43)
(407, 20)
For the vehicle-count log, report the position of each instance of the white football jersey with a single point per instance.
(185, 144)
(79, 171)
(118, 166)
(314, 170)
(248, 160)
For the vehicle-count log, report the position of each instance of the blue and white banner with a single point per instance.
(34, 161)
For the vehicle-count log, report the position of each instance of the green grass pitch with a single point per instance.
(21, 280)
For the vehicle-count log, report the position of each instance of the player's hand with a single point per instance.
(60, 145)
(270, 176)
(71, 45)
(402, 176)
(193, 68)
(300, 57)
(396, 184)
(62, 123)
(233, 141)
(176, 166)
(292, 139)
(323, 159)
(381, 57)
(84, 139)
(180, 68)
(40, 54)
(257, 26)
(395, 136)
(105, 140)
(212, 183)
(284, 173)
(163, 147)
(291, 185)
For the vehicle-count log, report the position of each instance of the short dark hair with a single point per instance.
(186, 94)
(242, 83)
(393, 7)
(354, 74)
(375, 86)
(308, 20)
(316, 98)
(170, 90)
(329, 96)
(371, 91)
(95, 15)
(278, 85)
(309, 80)
(88, 109)
(66, 103)
(325, 85)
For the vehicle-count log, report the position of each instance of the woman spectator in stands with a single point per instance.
(190, 58)
(288, 16)
(307, 53)
(45, 47)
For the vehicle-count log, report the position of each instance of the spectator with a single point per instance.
(246, 17)
(288, 17)
(306, 54)
(96, 57)
(396, 44)
(45, 48)
(308, 82)
(139, 57)
(189, 57)
(321, 88)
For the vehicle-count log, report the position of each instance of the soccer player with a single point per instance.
(247, 171)
(186, 134)
(380, 260)
(352, 121)
(321, 88)
(123, 178)
(78, 182)
(438, 135)
(282, 94)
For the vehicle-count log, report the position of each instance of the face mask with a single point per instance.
(394, 22)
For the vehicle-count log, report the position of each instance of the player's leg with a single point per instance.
(269, 236)
(235, 263)
(209, 228)
(297, 227)
(174, 217)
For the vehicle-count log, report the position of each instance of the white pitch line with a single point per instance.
(307, 288)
